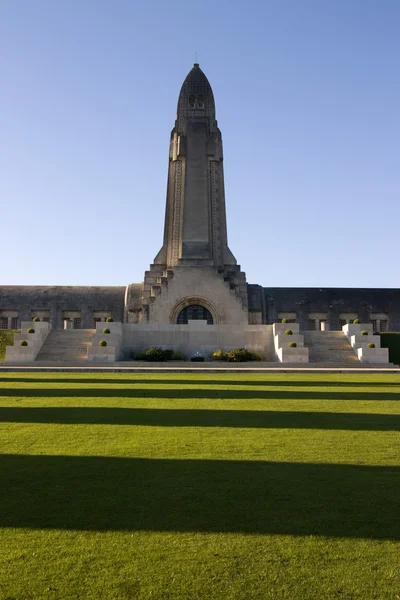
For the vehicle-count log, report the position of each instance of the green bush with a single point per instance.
(364, 332)
(257, 356)
(371, 345)
(177, 355)
(102, 343)
(155, 354)
(35, 319)
(30, 330)
(356, 321)
(109, 320)
(285, 321)
(106, 330)
(23, 343)
(236, 355)
(288, 332)
(292, 345)
(219, 355)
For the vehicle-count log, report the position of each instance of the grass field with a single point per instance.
(199, 486)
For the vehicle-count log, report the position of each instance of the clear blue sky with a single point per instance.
(308, 100)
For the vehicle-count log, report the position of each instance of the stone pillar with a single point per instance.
(363, 313)
(56, 317)
(87, 317)
(333, 319)
(302, 316)
(24, 315)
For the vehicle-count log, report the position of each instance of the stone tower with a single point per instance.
(195, 247)
(195, 217)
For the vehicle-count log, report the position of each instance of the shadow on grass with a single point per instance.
(176, 393)
(201, 418)
(199, 382)
(102, 493)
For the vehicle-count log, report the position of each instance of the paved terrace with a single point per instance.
(191, 367)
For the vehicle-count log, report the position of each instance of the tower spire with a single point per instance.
(195, 219)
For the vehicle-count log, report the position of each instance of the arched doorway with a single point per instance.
(194, 312)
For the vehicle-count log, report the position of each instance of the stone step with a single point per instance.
(330, 347)
(66, 345)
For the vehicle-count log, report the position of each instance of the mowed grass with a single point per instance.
(199, 486)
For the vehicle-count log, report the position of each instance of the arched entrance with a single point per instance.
(194, 312)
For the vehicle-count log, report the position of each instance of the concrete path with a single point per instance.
(186, 367)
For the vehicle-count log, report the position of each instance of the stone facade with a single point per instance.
(336, 304)
(195, 266)
(59, 302)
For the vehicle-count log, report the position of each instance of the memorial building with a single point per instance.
(195, 275)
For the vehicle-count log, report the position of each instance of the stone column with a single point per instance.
(302, 316)
(333, 319)
(363, 313)
(24, 315)
(55, 317)
(87, 317)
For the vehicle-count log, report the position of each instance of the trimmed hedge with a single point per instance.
(392, 341)
(157, 354)
(236, 355)
(109, 320)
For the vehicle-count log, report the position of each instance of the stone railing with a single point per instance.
(360, 342)
(111, 352)
(283, 352)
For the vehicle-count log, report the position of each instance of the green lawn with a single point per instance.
(199, 486)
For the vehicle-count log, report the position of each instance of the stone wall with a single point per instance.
(197, 336)
(30, 301)
(194, 285)
(266, 305)
(334, 302)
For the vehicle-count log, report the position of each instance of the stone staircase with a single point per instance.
(66, 345)
(330, 348)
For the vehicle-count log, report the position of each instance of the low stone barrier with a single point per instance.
(283, 352)
(112, 351)
(360, 342)
(28, 353)
(373, 355)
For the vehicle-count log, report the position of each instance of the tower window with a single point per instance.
(196, 101)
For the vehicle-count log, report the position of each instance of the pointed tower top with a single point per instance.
(196, 99)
